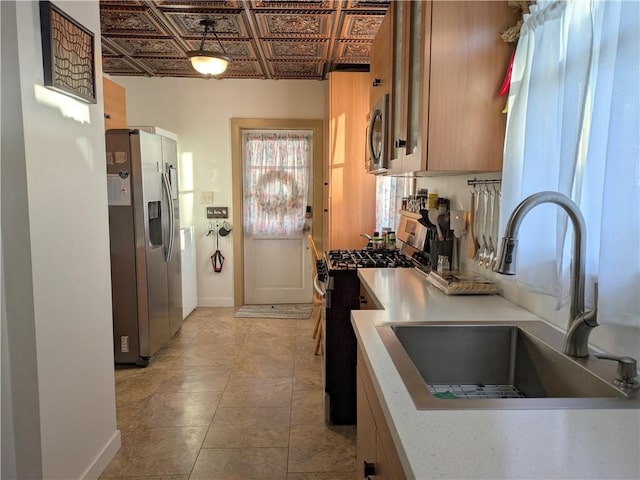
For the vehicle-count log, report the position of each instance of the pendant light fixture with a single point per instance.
(205, 62)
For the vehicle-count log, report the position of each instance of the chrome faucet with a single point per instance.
(581, 322)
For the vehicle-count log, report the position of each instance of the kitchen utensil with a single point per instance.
(471, 239)
(478, 224)
(444, 221)
(483, 228)
(433, 218)
(491, 251)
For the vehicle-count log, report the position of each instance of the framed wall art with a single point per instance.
(67, 54)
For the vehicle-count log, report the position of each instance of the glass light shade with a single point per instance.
(208, 63)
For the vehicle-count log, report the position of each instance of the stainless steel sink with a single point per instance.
(484, 365)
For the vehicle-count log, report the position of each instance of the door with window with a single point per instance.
(276, 192)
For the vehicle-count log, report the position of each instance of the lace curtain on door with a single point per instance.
(276, 181)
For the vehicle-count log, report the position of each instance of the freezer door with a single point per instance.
(150, 245)
(174, 264)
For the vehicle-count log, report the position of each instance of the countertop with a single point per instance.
(484, 444)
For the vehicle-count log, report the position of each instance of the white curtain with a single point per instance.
(276, 181)
(573, 127)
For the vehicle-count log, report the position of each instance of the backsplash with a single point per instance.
(620, 340)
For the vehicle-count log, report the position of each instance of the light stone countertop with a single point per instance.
(484, 444)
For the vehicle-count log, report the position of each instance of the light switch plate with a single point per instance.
(206, 198)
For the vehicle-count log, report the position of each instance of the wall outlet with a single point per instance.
(206, 198)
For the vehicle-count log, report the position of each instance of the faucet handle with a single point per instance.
(627, 369)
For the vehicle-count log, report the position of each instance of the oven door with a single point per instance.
(378, 137)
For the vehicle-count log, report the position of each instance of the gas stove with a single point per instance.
(354, 259)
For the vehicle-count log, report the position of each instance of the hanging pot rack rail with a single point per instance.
(475, 181)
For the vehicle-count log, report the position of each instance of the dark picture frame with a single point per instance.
(68, 54)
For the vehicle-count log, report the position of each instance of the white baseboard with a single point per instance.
(215, 302)
(100, 463)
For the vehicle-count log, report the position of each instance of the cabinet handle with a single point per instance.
(376, 82)
(369, 469)
(107, 116)
(363, 299)
(399, 143)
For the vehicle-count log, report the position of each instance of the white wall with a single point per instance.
(616, 339)
(199, 112)
(55, 247)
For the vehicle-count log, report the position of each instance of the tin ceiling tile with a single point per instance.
(352, 52)
(297, 39)
(307, 25)
(141, 47)
(119, 66)
(297, 70)
(227, 25)
(291, 49)
(167, 66)
(243, 69)
(360, 26)
(213, 4)
(367, 4)
(130, 21)
(295, 4)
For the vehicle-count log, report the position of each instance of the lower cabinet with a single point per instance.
(376, 456)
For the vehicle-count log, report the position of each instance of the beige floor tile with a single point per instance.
(149, 477)
(196, 379)
(322, 476)
(264, 365)
(249, 391)
(307, 376)
(269, 345)
(178, 409)
(241, 464)
(137, 388)
(318, 448)
(157, 451)
(307, 407)
(223, 357)
(273, 326)
(249, 427)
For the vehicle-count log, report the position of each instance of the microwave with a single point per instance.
(378, 137)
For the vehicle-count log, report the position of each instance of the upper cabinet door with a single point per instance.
(381, 63)
(416, 97)
(115, 104)
(468, 63)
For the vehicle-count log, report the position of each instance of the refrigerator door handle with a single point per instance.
(167, 190)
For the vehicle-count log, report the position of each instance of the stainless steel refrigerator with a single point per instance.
(144, 231)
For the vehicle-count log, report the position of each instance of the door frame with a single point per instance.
(237, 126)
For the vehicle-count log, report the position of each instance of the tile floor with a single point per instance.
(230, 398)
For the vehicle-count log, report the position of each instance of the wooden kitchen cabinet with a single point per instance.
(374, 442)
(448, 64)
(366, 301)
(380, 63)
(115, 104)
(350, 190)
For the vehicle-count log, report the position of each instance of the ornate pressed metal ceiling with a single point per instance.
(266, 39)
